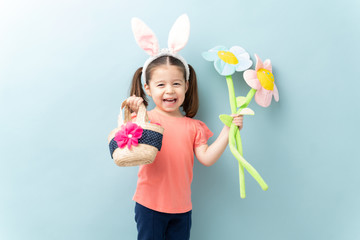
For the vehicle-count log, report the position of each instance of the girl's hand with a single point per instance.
(134, 103)
(238, 120)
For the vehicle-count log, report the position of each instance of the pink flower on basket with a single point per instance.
(262, 80)
(129, 135)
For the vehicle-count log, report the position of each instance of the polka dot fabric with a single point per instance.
(148, 137)
(151, 138)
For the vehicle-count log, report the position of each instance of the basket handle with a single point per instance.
(141, 115)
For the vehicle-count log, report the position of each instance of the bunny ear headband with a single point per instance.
(178, 37)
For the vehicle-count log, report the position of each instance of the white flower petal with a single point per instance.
(237, 50)
(228, 70)
(243, 64)
(219, 48)
(243, 56)
(223, 68)
(210, 56)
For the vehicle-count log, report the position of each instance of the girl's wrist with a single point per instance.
(226, 127)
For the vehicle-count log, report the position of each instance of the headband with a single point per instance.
(178, 37)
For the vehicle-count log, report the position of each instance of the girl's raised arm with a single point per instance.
(208, 155)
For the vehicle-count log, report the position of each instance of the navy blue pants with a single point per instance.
(153, 225)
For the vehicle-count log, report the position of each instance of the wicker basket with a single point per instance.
(126, 154)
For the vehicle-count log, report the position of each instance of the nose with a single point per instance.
(169, 89)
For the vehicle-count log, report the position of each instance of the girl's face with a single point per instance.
(167, 87)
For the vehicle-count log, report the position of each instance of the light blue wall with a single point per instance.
(65, 67)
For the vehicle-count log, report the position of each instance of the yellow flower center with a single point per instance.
(228, 57)
(266, 79)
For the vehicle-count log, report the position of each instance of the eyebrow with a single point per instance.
(158, 81)
(173, 80)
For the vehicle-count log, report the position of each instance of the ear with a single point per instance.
(179, 34)
(147, 89)
(186, 85)
(145, 37)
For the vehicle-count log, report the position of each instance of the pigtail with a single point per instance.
(136, 87)
(191, 102)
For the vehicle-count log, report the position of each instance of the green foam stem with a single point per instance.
(245, 164)
(233, 105)
(235, 140)
(241, 168)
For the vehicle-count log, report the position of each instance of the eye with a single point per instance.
(177, 84)
(160, 85)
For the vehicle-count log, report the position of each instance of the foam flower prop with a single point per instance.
(227, 61)
(262, 80)
(128, 135)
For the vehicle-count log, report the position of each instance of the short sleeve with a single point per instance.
(202, 135)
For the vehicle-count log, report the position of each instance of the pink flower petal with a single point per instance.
(267, 65)
(134, 142)
(120, 138)
(250, 78)
(138, 130)
(137, 134)
(131, 127)
(129, 144)
(263, 97)
(276, 93)
(119, 135)
(259, 63)
(116, 138)
(124, 130)
(122, 144)
(119, 132)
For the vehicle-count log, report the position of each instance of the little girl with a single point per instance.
(163, 193)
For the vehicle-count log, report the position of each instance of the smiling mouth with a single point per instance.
(170, 100)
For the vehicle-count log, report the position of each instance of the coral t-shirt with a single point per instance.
(165, 184)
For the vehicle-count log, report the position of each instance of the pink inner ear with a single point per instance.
(145, 37)
(179, 33)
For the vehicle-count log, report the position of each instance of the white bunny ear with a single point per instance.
(179, 33)
(145, 37)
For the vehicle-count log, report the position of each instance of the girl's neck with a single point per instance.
(177, 113)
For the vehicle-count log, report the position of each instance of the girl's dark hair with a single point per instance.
(191, 102)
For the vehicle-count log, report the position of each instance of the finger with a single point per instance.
(129, 100)
(238, 121)
(139, 101)
(239, 124)
(237, 116)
